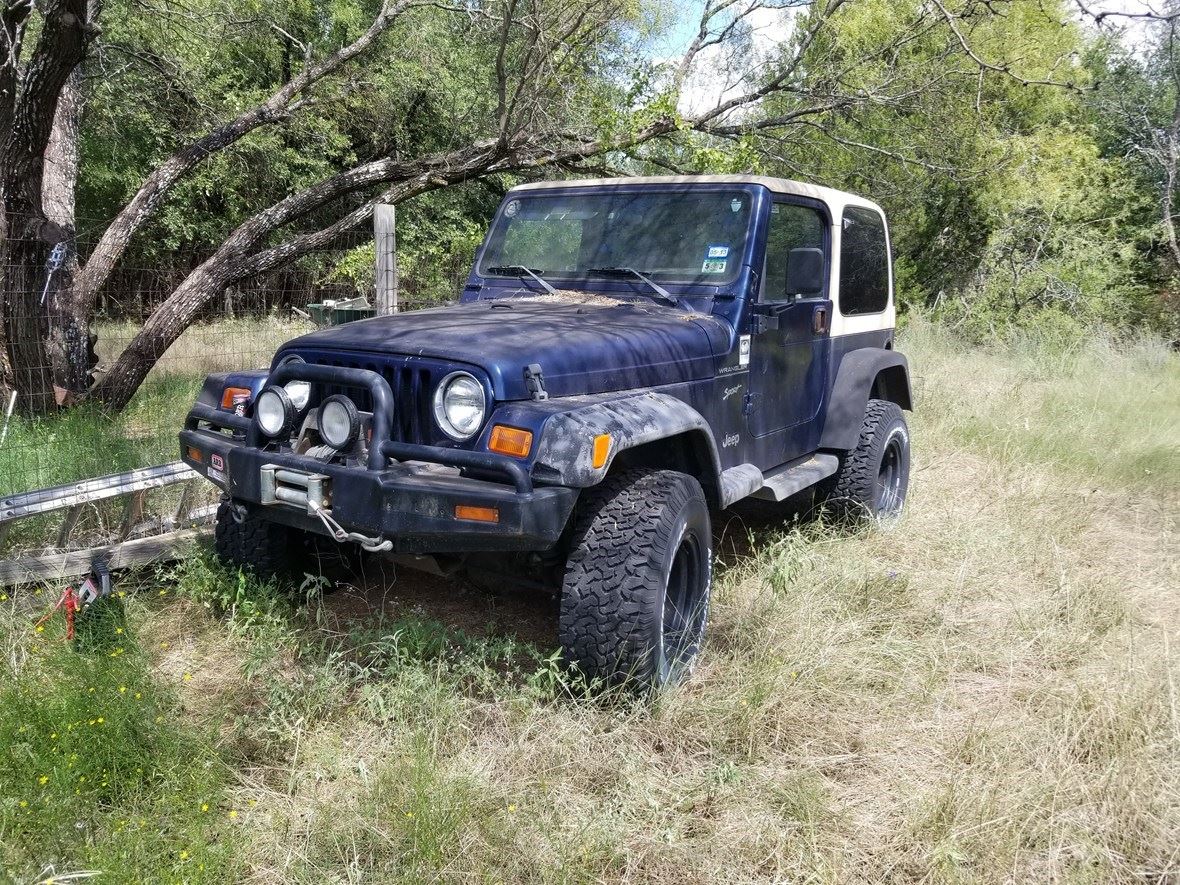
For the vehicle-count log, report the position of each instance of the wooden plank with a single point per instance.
(74, 563)
(385, 237)
(90, 490)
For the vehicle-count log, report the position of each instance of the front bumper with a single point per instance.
(410, 502)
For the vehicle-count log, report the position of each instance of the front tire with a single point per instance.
(635, 596)
(276, 552)
(874, 477)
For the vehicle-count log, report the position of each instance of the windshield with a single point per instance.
(685, 237)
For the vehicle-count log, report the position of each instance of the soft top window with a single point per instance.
(864, 262)
(696, 236)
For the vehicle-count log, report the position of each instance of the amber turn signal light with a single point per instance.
(230, 393)
(601, 450)
(196, 454)
(478, 514)
(511, 441)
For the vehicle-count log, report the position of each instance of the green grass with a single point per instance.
(99, 770)
(984, 693)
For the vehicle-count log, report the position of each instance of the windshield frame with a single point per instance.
(493, 285)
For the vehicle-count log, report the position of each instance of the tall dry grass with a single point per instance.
(985, 692)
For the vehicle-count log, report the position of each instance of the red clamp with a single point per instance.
(69, 602)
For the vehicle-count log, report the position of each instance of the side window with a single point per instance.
(791, 227)
(864, 263)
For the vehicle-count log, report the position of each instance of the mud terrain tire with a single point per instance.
(873, 478)
(635, 596)
(272, 551)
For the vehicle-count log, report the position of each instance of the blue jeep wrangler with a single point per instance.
(627, 356)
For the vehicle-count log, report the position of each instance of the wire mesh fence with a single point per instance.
(53, 437)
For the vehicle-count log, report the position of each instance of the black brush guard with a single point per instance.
(388, 497)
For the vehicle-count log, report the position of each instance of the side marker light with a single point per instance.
(601, 450)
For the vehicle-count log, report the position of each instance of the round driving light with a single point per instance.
(459, 405)
(300, 393)
(339, 422)
(274, 411)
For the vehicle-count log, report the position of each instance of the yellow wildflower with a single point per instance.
(233, 814)
(43, 779)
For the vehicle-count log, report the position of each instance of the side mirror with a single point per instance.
(805, 271)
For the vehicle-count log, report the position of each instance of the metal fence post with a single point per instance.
(386, 240)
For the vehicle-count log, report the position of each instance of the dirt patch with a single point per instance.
(387, 590)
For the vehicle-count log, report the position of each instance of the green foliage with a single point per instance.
(1007, 199)
(98, 769)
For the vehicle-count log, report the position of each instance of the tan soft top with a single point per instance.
(836, 200)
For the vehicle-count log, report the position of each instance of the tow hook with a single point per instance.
(340, 535)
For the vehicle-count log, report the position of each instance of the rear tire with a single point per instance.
(874, 477)
(635, 597)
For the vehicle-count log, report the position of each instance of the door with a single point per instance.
(788, 363)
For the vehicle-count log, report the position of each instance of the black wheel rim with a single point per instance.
(684, 602)
(889, 478)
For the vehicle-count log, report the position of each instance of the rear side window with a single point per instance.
(864, 263)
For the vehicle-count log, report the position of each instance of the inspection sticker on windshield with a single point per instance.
(718, 252)
(714, 265)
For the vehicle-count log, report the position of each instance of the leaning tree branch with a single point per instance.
(156, 186)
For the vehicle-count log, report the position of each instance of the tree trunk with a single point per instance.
(69, 346)
(32, 246)
(25, 325)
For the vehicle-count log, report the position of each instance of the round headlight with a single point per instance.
(274, 411)
(339, 422)
(459, 406)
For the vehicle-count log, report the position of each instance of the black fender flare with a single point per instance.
(565, 453)
(863, 374)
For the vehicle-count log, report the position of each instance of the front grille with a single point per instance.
(412, 385)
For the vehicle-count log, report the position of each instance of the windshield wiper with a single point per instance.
(662, 294)
(520, 270)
